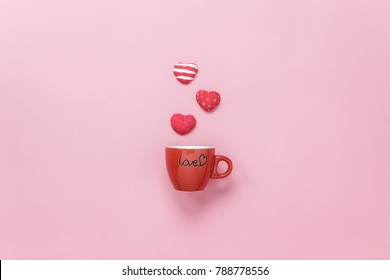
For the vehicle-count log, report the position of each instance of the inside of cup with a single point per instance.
(190, 147)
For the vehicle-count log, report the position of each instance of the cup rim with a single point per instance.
(190, 147)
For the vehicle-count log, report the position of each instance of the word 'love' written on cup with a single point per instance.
(201, 161)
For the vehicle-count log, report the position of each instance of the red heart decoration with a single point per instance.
(183, 124)
(208, 100)
(185, 72)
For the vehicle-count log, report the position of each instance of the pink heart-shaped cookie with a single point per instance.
(185, 72)
(208, 100)
(183, 124)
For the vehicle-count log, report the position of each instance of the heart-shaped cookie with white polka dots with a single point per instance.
(208, 100)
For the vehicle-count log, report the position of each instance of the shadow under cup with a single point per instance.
(191, 167)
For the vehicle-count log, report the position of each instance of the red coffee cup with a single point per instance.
(191, 167)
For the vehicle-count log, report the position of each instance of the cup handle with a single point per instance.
(214, 172)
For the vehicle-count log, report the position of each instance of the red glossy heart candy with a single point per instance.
(183, 124)
(208, 100)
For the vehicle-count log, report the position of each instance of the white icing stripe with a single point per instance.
(186, 64)
(183, 71)
(184, 78)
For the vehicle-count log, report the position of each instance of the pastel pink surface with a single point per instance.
(86, 94)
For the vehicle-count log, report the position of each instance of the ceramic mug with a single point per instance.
(191, 167)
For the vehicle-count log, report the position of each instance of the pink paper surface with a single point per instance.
(86, 96)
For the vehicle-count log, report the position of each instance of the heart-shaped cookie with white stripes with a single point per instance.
(185, 72)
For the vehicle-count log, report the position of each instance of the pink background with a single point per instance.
(86, 94)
